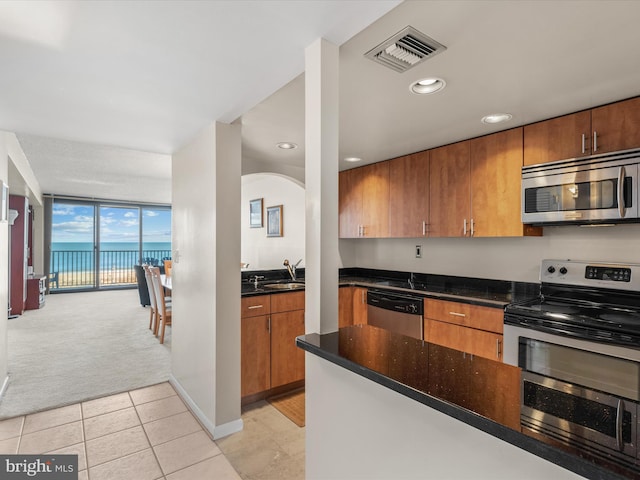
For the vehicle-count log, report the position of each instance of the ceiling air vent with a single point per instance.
(405, 50)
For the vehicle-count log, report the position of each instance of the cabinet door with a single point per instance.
(363, 201)
(496, 170)
(558, 139)
(345, 306)
(469, 340)
(449, 191)
(350, 203)
(409, 196)
(287, 360)
(359, 306)
(375, 200)
(616, 126)
(255, 355)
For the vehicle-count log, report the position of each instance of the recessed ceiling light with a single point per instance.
(287, 145)
(497, 118)
(427, 85)
(352, 159)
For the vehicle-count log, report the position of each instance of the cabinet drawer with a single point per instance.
(467, 315)
(254, 306)
(464, 339)
(286, 302)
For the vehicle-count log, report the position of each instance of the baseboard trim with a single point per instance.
(5, 385)
(216, 432)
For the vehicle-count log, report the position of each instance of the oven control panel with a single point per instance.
(595, 274)
(610, 274)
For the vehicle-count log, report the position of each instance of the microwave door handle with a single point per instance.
(619, 418)
(621, 206)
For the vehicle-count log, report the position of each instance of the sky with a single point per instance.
(75, 223)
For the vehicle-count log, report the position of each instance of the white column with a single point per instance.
(4, 267)
(205, 339)
(321, 181)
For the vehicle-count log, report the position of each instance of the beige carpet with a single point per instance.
(291, 405)
(81, 346)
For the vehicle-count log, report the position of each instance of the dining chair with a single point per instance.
(163, 311)
(153, 317)
(167, 267)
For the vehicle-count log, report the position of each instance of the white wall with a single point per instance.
(496, 258)
(357, 429)
(205, 356)
(4, 265)
(258, 250)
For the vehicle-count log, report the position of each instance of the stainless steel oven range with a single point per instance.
(578, 345)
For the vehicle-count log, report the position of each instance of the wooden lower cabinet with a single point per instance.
(473, 329)
(269, 356)
(287, 360)
(469, 340)
(359, 306)
(352, 306)
(345, 306)
(255, 355)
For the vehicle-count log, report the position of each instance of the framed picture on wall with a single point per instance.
(274, 221)
(255, 213)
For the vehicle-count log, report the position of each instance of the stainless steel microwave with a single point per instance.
(596, 189)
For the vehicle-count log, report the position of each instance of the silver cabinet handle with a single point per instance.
(498, 348)
(269, 324)
(595, 141)
(464, 231)
(457, 314)
(253, 307)
(619, 418)
(583, 142)
(424, 228)
(621, 207)
(472, 228)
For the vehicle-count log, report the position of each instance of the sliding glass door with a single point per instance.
(119, 245)
(96, 245)
(73, 249)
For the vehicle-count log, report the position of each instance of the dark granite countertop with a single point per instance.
(480, 392)
(478, 291)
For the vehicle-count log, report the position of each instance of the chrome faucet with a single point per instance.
(291, 268)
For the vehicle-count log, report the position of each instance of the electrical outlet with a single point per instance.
(418, 251)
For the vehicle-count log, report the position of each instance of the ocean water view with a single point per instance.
(79, 256)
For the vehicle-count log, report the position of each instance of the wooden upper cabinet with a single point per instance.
(496, 169)
(600, 130)
(557, 139)
(350, 203)
(364, 201)
(616, 126)
(409, 196)
(449, 191)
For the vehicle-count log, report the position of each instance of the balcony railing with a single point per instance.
(71, 269)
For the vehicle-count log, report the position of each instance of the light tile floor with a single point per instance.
(145, 434)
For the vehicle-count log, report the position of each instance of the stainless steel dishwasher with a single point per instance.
(397, 312)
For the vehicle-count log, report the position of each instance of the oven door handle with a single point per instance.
(619, 418)
(621, 206)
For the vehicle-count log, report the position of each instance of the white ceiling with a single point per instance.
(148, 75)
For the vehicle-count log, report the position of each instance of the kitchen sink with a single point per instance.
(284, 286)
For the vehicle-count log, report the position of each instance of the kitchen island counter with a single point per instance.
(481, 393)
